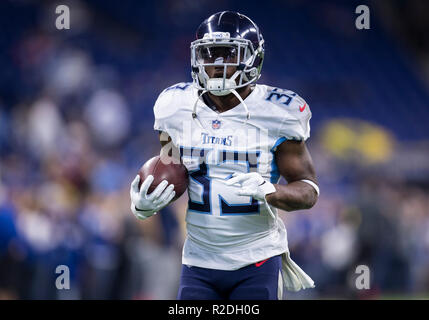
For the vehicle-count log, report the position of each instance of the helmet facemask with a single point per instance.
(219, 50)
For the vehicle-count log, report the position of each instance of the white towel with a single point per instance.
(294, 278)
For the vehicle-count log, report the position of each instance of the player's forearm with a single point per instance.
(296, 195)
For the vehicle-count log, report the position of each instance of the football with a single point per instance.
(174, 173)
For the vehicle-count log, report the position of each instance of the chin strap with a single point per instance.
(194, 110)
(244, 104)
(235, 93)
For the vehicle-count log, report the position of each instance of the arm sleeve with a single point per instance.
(159, 123)
(296, 123)
(163, 110)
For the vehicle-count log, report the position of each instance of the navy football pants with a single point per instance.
(258, 281)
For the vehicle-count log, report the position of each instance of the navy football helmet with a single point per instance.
(227, 39)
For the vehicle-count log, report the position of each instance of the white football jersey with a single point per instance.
(226, 231)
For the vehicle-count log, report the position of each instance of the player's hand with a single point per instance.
(252, 184)
(143, 205)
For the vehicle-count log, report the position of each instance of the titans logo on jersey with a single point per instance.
(226, 231)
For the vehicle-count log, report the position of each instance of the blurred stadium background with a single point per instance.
(76, 124)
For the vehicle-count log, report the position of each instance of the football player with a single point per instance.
(236, 139)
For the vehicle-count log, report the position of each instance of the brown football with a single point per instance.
(165, 169)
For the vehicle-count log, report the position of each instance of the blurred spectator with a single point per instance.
(108, 118)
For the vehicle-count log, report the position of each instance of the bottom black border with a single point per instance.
(171, 309)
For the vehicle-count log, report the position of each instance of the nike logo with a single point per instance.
(303, 107)
(260, 263)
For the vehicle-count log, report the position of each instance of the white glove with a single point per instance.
(143, 205)
(252, 184)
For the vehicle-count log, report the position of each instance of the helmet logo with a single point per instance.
(217, 35)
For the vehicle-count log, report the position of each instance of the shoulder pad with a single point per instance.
(296, 120)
